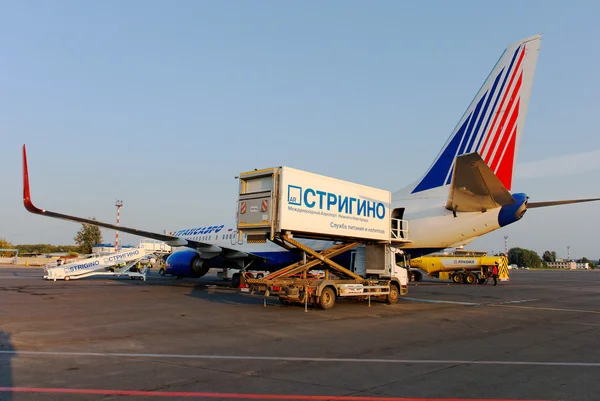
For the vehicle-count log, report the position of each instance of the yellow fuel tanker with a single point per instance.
(467, 268)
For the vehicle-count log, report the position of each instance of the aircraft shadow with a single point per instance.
(5, 366)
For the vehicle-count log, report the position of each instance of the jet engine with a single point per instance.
(186, 263)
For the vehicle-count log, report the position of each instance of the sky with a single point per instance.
(161, 104)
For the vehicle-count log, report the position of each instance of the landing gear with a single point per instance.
(236, 280)
(415, 276)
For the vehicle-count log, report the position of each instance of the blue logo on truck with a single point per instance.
(317, 199)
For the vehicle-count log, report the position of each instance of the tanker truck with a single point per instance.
(460, 267)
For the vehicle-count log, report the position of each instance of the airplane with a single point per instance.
(464, 194)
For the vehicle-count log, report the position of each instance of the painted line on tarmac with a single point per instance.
(437, 301)
(296, 359)
(236, 396)
(518, 301)
(548, 309)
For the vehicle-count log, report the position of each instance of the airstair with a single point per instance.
(120, 264)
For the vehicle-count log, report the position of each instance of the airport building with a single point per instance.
(149, 245)
(568, 265)
(107, 248)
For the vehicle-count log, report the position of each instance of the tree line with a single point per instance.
(86, 237)
(529, 258)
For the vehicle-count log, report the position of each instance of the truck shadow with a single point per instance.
(6, 356)
(225, 295)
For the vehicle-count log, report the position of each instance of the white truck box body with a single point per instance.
(318, 204)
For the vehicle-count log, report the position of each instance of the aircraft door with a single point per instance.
(397, 223)
(237, 238)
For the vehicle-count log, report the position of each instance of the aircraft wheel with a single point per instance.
(327, 298)
(162, 271)
(236, 280)
(470, 278)
(457, 278)
(67, 278)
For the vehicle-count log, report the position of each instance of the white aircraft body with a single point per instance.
(465, 193)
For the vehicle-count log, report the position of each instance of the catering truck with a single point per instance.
(460, 267)
(322, 219)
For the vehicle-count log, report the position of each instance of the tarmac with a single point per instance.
(536, 337)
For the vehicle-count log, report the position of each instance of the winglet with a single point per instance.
(26, 192)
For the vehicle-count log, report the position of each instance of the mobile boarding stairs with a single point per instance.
(120, 263)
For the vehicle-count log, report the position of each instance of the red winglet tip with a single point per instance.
(26, 192)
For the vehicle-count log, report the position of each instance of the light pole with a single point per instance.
(118, 204)
(506, 245)
(568, 253)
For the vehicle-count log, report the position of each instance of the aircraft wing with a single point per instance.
(475, 187)
(206, 250)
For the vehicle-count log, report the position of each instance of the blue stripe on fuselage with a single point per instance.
(278, 260)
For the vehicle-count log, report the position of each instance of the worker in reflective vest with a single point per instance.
(495, 273)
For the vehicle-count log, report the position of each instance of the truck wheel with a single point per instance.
(259, 275)
(327, 298)
(236, 281)
(457, 278)
(392, 297)
(418, 276)
(470, 278)
(482, 281)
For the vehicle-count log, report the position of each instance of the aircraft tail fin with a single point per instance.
(493, 123)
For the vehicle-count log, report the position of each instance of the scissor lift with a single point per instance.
(261, 204)
(295, 284)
